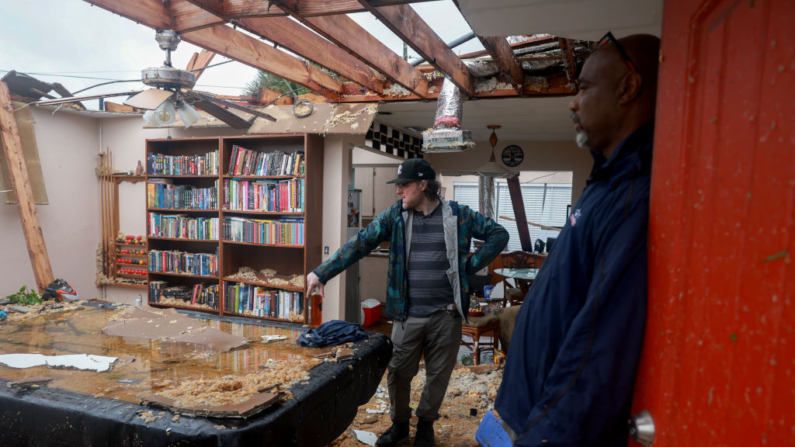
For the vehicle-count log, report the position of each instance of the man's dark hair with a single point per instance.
(434, 190)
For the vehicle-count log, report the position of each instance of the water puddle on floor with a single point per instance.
(144, 366)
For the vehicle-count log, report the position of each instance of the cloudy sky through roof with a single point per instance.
(46, 38)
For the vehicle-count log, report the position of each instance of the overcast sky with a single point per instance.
(72, 38)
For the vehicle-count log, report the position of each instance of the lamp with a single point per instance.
(165, 114)
(149, 117)
(188, 114)
(492, 168)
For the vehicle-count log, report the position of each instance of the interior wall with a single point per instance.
(68, 145)
(367, 156)
(336, 177)
(538, 156)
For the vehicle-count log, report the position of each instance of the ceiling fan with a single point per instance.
(172, 94)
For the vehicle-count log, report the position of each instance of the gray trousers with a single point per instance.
(437, 337)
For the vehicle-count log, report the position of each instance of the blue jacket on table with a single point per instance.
(571, 364)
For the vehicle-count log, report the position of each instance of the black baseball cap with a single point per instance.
(414, 169)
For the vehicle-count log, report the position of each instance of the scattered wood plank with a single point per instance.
(26, 205)
(118, 108)
(202, 61)
(546, 227)
(409, 26)
(266, 96)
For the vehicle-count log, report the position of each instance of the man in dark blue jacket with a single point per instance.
(571, 365)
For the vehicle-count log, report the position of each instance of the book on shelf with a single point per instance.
(181, 226)
(203, 164)
(244, 161)
(156, 290)
(170, 196)
(182, 262)
(264, 195)
(283, 231)
(262, 302)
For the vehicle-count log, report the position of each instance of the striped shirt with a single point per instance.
(429, 288)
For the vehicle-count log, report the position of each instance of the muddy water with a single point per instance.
(144, 366)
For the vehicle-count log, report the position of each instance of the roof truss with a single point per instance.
(334, 41)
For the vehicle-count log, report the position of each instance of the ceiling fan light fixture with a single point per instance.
(149, 117)
(188, 114)
(165, 114)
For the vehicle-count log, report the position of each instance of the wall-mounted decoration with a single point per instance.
(512, 156)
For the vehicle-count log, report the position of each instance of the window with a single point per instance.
(544, 203)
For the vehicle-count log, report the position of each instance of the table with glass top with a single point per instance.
(525, 274)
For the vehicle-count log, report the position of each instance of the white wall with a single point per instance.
(367, 156)
(336, 177)
(68, 146)
(538, 156)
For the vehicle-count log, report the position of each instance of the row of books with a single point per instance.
(182, 262)
(180, 226)
(249, 162)
(161, 193)
(161, 164)
(197, 294)
(264, 195)
(285, 231)
(262, 302)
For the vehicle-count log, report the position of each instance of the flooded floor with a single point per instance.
(144, 366)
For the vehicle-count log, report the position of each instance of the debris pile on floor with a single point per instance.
(470, 395)
(235, 389)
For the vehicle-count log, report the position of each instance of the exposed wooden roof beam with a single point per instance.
(255, 53)
(292, 36)
(501, 52)
(231, 43)
(347, 34)
(569, 63)
(234, 9)
(186, 17)
(557, 85)
(296, 38)
(409, 26)
(514, 46)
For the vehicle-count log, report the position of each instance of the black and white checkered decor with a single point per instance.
(389, 140)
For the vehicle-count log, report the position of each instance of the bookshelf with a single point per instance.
(263, 234)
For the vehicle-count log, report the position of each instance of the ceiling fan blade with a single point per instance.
(223, 114)
(59, 101)
(231, 105)
(149, 99)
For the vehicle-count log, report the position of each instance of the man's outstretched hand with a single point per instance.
(312, 282)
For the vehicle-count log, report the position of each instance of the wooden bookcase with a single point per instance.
(286, 260)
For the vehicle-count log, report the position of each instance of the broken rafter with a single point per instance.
(569, 62)
(231, 43)
(409, 26)
(200, 61)
(501, 52)
(26, 205)
(557, 85)
(515, 46)
(348, 35)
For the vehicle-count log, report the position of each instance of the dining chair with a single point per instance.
(515, 293)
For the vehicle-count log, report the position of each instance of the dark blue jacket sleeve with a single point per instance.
(592, 377)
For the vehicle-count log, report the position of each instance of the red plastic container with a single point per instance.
(372, 312)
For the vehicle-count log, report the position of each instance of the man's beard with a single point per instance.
(582, 140)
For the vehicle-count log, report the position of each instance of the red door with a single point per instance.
(718, 366)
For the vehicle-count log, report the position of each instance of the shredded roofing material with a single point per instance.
(232, 390)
